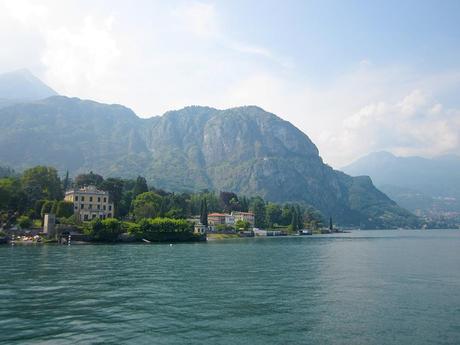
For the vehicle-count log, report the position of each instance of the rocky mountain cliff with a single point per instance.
(246, 150)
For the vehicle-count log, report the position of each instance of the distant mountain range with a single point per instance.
(245, 150)
(425, 186)
(21, 85)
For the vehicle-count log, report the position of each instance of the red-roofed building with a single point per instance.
(216, 218)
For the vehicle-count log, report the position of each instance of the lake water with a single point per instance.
(366, 287)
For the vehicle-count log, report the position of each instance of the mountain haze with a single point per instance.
(430, 186)
(21, 85)
(246, 150)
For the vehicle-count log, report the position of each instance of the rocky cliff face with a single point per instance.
(246, 150)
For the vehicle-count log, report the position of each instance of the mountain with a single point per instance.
(21, 85)
(422, 185)
(246, 150)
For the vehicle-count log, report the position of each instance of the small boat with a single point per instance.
(305, 232)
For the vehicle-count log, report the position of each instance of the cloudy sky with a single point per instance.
(355, 76)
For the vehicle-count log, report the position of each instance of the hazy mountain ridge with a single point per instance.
(245, 149)
(426, 186)
(21, 85)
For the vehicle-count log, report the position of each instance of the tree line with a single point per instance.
(40, 190)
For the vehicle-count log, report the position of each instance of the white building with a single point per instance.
(90, 203)
(245, 216)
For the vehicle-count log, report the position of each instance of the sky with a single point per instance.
(355, 76)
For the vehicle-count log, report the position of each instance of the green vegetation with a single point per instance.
(106, 230)
(163, 229)
(142, 212)
(245, 150)
(24, 222)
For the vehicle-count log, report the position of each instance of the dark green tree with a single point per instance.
(294, 226)
(115, 188)
(66, 183)
(147, 205)
(140, 186)
(257, 206)
(64, 209)
(204, 212)
(90, 179)
(273, 214)
(46, 208)
(41, 182)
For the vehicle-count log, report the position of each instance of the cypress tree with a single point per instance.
(299, 218)
(66, 181)
(204, 213)
(294, 220)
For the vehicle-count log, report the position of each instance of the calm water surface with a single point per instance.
(367, 287)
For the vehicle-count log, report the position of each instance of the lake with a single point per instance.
(365, 287)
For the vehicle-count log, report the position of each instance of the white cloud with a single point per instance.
(80, 58)
(198, 18)
(415, 125)
(165, 56)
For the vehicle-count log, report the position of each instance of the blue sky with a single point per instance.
(356, 76)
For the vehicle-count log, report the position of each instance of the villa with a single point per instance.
(90, 203)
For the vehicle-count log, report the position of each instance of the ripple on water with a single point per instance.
(359, 288)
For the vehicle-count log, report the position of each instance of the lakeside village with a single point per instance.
(37, 206)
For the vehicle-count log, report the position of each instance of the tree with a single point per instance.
(90, 179)
(64, 209)
(229, 201)
(46, 208)
(300, 219)
(257, 206)
(65, 184)
(115, 188)
(12, 197)
(140, 186)
(41, 182)
(106, 230)
(242, 224)
(272, 214)
(294, 226)
(147, 205)
(204, 212)
(24, 222)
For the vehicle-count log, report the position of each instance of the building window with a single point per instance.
(76, 197)
(90, 206)
(110, 207)
(90, 198)
(76, 207)
(105, 199)
(109, 215)
(82, 198)
(104, 207)
(85, 217)
(82, 206)
(98, 207)
(93, 216)
(98, 199)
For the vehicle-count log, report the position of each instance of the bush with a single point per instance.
(163, 229)
(106, 230)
